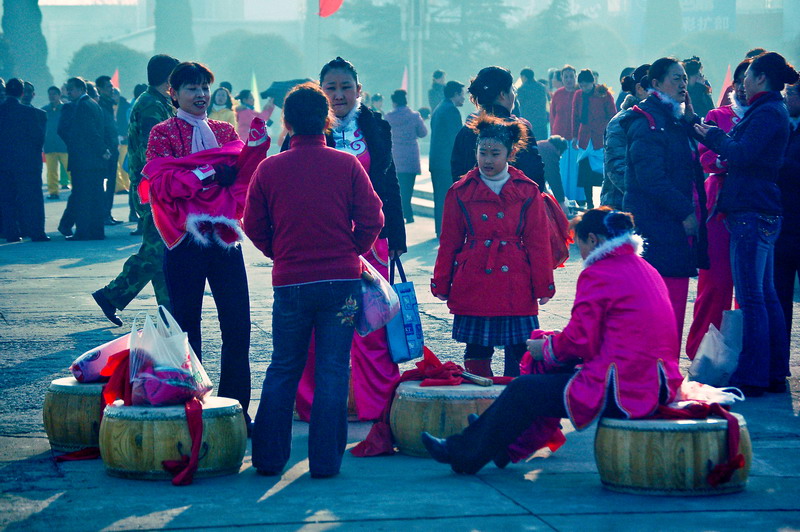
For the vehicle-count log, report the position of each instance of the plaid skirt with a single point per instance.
(493, 330)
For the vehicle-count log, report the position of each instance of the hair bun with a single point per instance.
(618, 223)
(628, 84)
(791, 75)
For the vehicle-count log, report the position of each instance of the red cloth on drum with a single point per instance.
(119, 382)
(432, 372)
(720, 473)
(185, 468)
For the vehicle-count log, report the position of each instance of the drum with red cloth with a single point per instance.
(72, 413)
(135, 440)
(439, 410)
(668, 456)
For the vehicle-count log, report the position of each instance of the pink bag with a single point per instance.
(87, 367)
(379, 301)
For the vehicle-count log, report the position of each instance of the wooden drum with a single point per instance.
(667, 457)
(72, 413)
(440, 410)
(134, 440)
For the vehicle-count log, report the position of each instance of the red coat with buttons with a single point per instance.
(494, 253)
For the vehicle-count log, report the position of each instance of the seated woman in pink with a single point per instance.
(623, 332)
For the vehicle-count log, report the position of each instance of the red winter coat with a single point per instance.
(561, 113)
(601, 111)
(494, 253)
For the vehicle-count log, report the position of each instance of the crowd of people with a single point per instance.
(703, 189)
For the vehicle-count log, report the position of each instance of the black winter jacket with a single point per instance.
(789, 183)
(754, 150)
(382, 174)
(528, 160)
(662, 174)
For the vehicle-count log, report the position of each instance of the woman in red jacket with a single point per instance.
(494, 257)
(592, 108)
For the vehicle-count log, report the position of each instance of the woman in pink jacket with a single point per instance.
(246, 112)
(623, 333)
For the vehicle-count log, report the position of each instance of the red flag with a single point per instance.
(115, 78)
(725, 87)
(404, 84)
(329, 7)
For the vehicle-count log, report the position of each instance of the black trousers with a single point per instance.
(110, 185)
(186, 269)
(524, 399)
(85, 207)
(22, 205)
(442, 181)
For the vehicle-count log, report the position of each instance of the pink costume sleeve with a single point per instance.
(581, 338)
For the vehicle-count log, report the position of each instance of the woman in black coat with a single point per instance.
(492, 92)
(662, 176)
(750, 197)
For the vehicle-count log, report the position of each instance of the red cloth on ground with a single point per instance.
(88, 453)
(185, 468)
(432, 372)
(720, 473)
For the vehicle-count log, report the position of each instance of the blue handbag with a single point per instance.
(404, 331)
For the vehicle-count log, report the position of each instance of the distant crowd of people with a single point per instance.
(705, 189)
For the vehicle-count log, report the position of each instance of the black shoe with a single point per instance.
(66, 231)
(75, 238)
(14, 239)
(501, 459)
(111, 221)
(64, 187)
(41, 238)
(53, 196)
(437, 447)
(777, 386)
(108, 309)
(268, 473)
(750, 391)
(323, 475)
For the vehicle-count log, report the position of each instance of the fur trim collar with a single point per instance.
(607, 248)
(738, 109)
(342, 123)
(677, 108)
(207, 230)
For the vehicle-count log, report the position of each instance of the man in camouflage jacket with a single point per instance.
(146, 265)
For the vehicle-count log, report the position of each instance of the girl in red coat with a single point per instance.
(494, 257)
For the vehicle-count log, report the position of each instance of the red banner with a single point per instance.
(329, 7)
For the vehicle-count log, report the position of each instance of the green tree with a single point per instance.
(25, 45)
(234, 55)
(173, 25)
(103, 58)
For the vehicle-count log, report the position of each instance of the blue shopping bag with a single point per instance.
(404, 331)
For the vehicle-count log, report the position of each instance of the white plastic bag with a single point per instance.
(692, 391)
(379, 302)
(163, 367)
(715, 360)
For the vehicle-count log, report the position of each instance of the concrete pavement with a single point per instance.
(48, 318)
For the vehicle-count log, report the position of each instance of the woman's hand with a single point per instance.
(690, 225)
(544, 300)
(702, 130)
(688, 110)
(536, 348)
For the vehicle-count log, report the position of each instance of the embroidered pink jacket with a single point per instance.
(623, 328)
(181, 187)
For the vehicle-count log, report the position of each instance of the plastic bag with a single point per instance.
(691, 392)
(88, 366)
(163, 367)
(404, 331)
(379, 302)
(715, 360)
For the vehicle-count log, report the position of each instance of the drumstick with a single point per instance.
(476, 379)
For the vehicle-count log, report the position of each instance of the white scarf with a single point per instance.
(202, 136)
(678, 108)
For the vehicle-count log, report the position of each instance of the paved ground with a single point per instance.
(48, 318)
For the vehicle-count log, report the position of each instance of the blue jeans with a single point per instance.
(765, 348)
(328, 308)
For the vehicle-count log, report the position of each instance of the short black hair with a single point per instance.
(14, 87)
(451, 88)
(439, 74)
(755, 52)
(102, 81)
(91, 90)
(400, 97)
(226, 85)
(77, 82)
(190, 72)
(159, 68)
(488, 84)
(586, 76)
(53, 88)
(658, 70)
(527, 73)
(139, 89)
(28, 86)
(692, 65)
(741, 69)
(377, 97)
(338, 64)
(306, 110)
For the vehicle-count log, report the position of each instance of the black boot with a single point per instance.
(501, 459)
